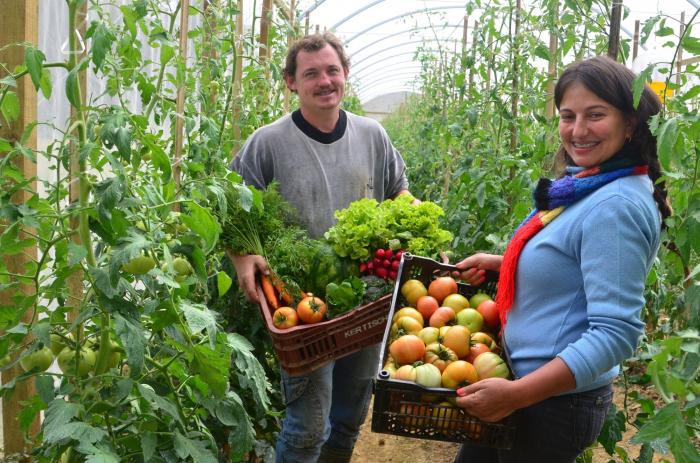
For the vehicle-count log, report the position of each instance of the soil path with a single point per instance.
(384, 448)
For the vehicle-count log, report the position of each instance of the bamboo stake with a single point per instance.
(680, 51)
(180, 101)
(475, 34)
(635, 41)
(290, 39)
(306, 25)
(266, 17)
(209, 52)
(20, 26)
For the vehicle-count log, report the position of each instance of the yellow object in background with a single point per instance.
(660, 89)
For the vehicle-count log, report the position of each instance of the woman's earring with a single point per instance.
(628, 138)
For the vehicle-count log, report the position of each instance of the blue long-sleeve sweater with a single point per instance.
(580, 284)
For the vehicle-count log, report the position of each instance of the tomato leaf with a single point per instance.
(203, 223)
(223, 283)
(199, 318)
(9, 106)
(159, 403)
(34, 60)
(57, 416)
(131, 335)
(30, 410)
(246, 361)
(212, 366)
(197, 449)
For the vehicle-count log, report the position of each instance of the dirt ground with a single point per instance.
(384, 448)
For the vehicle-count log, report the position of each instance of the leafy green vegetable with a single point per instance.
(342, 298)
(366, 225)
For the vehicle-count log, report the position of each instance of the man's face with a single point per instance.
(319, 79)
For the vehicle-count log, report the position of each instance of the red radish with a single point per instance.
(381, 272)
(395, 265)
(398, 255)
(363, 267)
(370, 267)
(377, 262)
(380, 254)
(386, 264)
(393, 274)
(388, 254)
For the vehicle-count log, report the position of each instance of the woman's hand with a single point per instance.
(491, 399)
(246, 269)
(473, 269)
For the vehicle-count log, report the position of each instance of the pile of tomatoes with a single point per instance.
(310, 309)
(443, 339)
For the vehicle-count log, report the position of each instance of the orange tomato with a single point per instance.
(311, 309)
(442, 316)
(285, 317)
(407, 349)
(458, 374)
(457, 338)
(441, 287)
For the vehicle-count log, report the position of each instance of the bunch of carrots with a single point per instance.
(278, 293)
(290, 307)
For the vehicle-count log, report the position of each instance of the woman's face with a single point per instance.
(591, 129)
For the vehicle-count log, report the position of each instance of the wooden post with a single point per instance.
(679, 62)
(237, 76)
(475, 34)
(19, 26)
(290, 39)
(306, 25)
(614, 37)
(180, 100)
(209, 53)
(515, 88)
(265, 19)
(552, 69)
(465, 28)
(635, 41)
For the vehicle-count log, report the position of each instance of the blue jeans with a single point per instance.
(325, 408)
(555, 430)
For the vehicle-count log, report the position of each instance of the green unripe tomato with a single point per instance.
(58, 342)
(139, 265)
(182, 266)
(40, 359)
(86, 361)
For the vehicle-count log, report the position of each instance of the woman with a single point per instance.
(572, 278)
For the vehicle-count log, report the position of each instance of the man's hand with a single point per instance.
(246, 268)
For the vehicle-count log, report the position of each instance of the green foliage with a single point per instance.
(366, 225)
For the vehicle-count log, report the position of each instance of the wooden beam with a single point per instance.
(180, 101)
(19, 26)
(635, 41)
(553, 60)
(265, 19)
(614, 37)
(290, 39)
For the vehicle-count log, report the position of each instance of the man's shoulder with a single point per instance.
(365, 123)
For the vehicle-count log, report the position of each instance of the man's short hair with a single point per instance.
(312, 43)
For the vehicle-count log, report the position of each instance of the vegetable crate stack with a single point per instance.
(440, 337)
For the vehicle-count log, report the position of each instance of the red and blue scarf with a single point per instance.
(551, 197)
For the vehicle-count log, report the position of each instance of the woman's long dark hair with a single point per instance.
(612, 82)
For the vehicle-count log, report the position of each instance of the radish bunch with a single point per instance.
(384, 264)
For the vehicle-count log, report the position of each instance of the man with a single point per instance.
(323, 158)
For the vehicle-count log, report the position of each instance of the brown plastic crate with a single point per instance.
(303, 348)
(408, 409)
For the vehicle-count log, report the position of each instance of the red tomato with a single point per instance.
(457, 338)
(427, 305)
(311, 309)
(458, 374)
(285, 317)
(442, 316)
(441, 287)
(475, 350)
(407, 349)
(489, 311)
